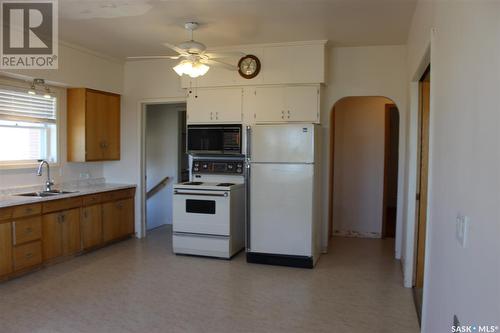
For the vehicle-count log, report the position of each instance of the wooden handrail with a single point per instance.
(157, 187)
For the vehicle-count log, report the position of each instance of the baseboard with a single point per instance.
(280, 260)
(356, 234)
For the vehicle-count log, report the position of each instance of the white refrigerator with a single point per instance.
(283, 196)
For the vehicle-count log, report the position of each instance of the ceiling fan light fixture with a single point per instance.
(192, 69)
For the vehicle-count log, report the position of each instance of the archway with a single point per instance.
(363, 174)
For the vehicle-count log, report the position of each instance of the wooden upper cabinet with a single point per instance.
(93, 125)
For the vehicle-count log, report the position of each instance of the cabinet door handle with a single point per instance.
(29, 255)
(217, 115)
(14, 232)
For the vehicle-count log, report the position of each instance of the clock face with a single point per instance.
(249, 66)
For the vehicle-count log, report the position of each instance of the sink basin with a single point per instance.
(36, 194)
(59, 192)
(45, 193)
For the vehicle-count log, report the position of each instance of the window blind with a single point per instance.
(21, 106)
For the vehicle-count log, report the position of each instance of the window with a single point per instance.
(28, 127)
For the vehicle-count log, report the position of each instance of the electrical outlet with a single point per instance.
(462, 229)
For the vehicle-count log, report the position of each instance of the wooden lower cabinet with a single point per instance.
(5, 248)
(33, 234)
(118, 219)
(27, 255)
(61, 234)
(91, 226)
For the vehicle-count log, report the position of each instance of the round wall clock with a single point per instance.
(249, 66)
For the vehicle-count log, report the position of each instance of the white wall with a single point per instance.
(162, 151)
(151, 81)
(366, 71)
(352, 71)
(464, 38)
(77, 68)
(359, 166)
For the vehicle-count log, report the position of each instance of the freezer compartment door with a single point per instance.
(281, 208)
(287, 143)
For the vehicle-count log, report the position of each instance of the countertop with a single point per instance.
(7, 200)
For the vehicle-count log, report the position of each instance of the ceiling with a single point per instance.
(122, 28)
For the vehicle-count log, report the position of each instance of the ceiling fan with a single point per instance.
(195, 60)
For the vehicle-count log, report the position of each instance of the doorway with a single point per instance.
(364, 163)
(391, 158)
(166, 161)
(422, 182)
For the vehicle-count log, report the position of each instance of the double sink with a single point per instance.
(44, 194)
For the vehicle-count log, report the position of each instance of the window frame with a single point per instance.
(23, 87)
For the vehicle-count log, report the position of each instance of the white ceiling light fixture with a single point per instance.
(191, 68)
(195, 60)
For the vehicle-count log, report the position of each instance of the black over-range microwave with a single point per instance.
(214, 139)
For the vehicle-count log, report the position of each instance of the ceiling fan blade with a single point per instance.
(175, 48)
(216, 55)
(154, 57)
(221, 64)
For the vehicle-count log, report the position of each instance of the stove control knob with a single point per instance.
(205, 166)
(230, 167)
(240, 165)
(239, 170)
(196, 169)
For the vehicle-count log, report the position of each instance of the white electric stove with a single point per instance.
(209, 211)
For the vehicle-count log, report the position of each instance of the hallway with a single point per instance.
(140, 286)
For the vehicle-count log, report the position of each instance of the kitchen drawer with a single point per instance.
(117, 195)
(27, 230)
(27, 255)
(63, 204)
(5, 213)
(26, 210)
(92, 199)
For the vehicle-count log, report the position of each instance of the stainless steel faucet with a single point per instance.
(49, 182)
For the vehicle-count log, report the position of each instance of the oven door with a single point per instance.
(201, 211)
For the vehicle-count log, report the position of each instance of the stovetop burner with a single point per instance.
(193, 183)
(225, 184)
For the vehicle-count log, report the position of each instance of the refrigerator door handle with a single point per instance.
(249, 143)
(247, 189)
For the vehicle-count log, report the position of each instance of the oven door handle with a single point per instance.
(225, 194)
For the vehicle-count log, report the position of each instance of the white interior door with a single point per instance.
(281, 208)
(286, 143)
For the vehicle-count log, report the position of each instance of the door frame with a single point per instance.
(422, 165)
(142, 147)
